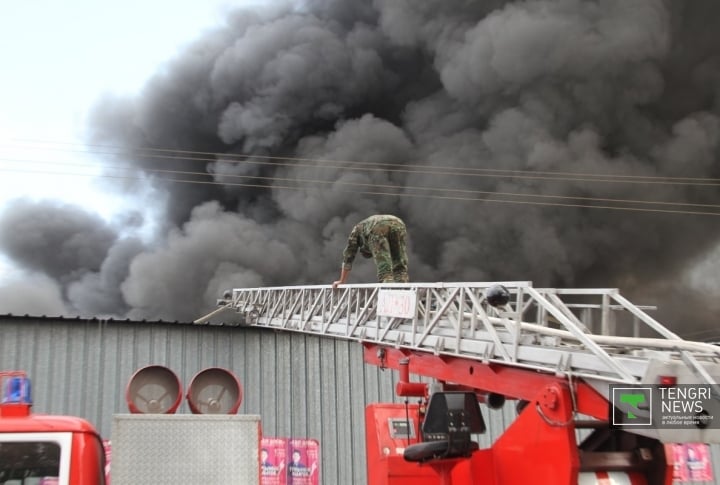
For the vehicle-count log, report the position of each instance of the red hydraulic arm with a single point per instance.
(512, 382)
(540, 446)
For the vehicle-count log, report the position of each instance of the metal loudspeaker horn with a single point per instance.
(153, 390)
(214, 391)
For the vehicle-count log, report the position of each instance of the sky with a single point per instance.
(571, 143)
(59, 59)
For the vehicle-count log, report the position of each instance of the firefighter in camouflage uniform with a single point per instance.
(381, 237)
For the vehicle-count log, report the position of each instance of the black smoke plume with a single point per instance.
(571, 143)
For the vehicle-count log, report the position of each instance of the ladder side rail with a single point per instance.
(517, 334)
(275, 300)
(356, 305)
(512, 324)
(331, 307)
(523, 305)
(605, 315)
(284, 297)
(265, 299)
(338, 307)
(584, 291)
(590, 344)
(350, 302)
(353, 309)
(434, 304)
(296, 315)
(459, 319)
(439, 345)
(314, 306)
(267, 304)
(586, 310)
(474, 309)
(340, 330)
(428, 308)
(311, 312)
(254, 300)
(437, 318)
(452, 314)
(502, 317)
(440, 328)
(489, 327)
(644, 317)
(365, 304)
(626, 342)
(432, 344)
(400, 336)
(383, 334)
(598, 306)
(320, 311)
(290, 309)
(360, 302)
(427, 329)
(281, 317)
(542, 318)
(382, 330)
(415, 319)
(236, 299)
(554, 299)
(324, 309)
(365, 314)
(259, 297)
(262, 302)
(539, 358)
(257, 303)
(271, 299)
(582, 363)
(287, 317)
(519, 316)
(281, 297)
(513, 329)
(488, 353)
(586, 316)
(303, 303)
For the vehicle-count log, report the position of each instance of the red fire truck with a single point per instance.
(150, 442)
(559, 354)
(44, 450)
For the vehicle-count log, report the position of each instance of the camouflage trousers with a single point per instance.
(388, 247)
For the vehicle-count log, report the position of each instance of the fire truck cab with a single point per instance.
(44, 450)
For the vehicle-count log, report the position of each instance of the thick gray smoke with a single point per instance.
(463, 119)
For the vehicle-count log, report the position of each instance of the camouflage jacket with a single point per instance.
(360, 234)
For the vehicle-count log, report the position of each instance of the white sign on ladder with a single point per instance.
(397, 303)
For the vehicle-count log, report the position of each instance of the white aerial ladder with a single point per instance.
(595, 335)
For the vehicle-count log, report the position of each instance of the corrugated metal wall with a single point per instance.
(302, 386)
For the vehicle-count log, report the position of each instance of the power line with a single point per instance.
(455, 193)
(387, 186)
(381, 193)
(273, 160)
